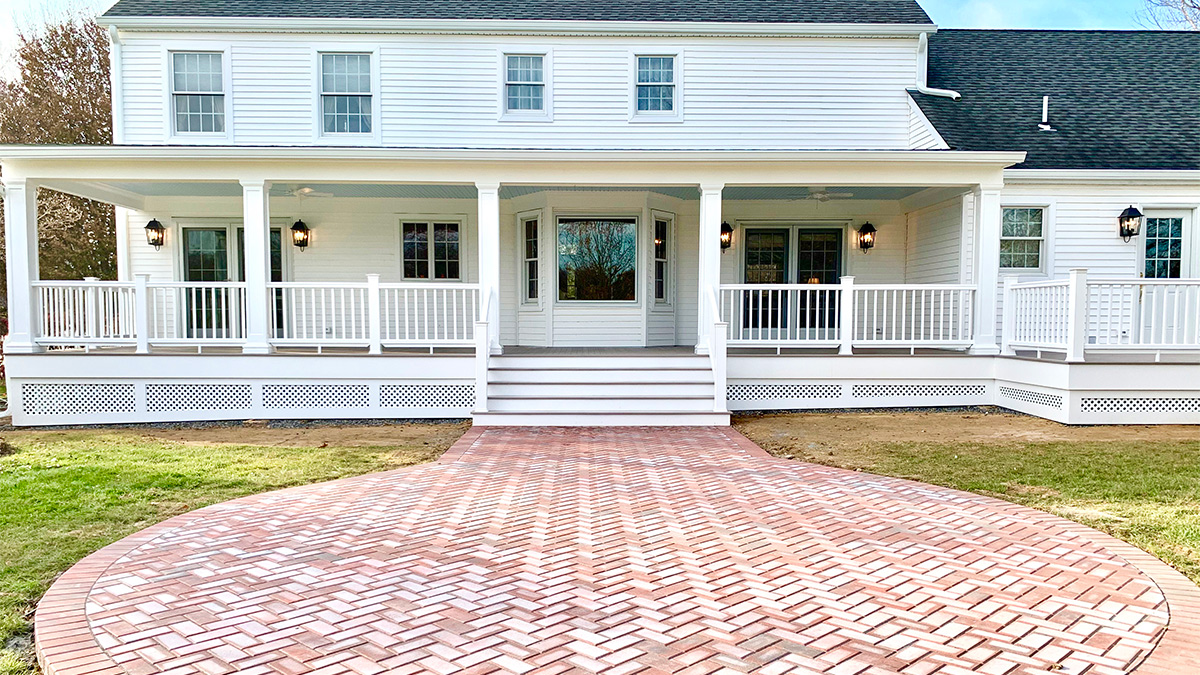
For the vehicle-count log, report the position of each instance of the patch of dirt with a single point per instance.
(311, 436)
(813, 432)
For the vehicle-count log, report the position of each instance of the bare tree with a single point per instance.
(60, 95)
(1175, 14)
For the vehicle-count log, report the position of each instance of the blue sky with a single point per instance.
(1035, 13)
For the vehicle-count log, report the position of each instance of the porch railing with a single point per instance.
(847, 315)
(93, 313)
(1079, 315)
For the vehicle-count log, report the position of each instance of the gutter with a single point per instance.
(1104, 176)
(509, 27)
(923, 73)
(375, 153)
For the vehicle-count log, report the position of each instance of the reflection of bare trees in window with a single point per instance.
(597, 259)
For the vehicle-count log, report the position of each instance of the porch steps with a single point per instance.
(616, 390)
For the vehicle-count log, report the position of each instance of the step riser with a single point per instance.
(552, 390)
(584, 420)
(598, 405)
(590, 376)
(654, 363)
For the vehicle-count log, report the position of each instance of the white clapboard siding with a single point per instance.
(444, 91)
(272, 85)
(921, 133)
(935, 244)
(143, 86)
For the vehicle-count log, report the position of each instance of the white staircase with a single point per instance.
(624, 389)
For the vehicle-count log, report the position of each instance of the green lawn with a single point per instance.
(66, 494)
(1144, 492)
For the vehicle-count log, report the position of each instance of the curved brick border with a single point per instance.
(65, 644)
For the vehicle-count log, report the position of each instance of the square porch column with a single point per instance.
(256, 219)
(21, 253)
(987, 276)
(710, 260)
(489, 258)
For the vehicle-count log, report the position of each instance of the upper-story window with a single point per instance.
(346, 94)
(198, 92)
(524, 83)
(656, 87)
(1021, 236)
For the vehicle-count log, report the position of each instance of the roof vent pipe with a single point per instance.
(923, 72)
(1045, 125)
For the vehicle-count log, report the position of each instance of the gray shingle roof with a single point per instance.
(1118, 99)
(753, 11)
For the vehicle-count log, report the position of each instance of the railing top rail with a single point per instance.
(1143, 282)
(441, 285)
(779, 287)
(197, 284)
(1047, 283)
(74, 283)
(318, 285)
(914, 287)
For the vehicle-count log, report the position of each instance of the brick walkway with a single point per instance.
(615, 551)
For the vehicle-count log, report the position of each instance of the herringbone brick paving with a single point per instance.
(615, 551)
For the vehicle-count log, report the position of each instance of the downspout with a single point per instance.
(117, 86)
(923, 73)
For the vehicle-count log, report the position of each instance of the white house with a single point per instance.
(627, 212)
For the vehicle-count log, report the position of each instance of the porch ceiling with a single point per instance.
(450, 191)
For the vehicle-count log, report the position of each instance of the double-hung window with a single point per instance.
(662, 234)
(530, 234)
(524, 84)
(1022, 237)
(655, 89)
(430, 247)
(198, 92)
(346, 96)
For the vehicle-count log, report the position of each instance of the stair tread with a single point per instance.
(600, 397)
(603, 412)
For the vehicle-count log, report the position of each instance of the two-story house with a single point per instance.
(626, 212)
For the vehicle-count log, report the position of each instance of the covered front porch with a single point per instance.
(277, 283)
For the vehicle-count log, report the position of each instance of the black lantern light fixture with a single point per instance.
(1130, 222)
(300, 234)
(866, 237)
(156, 234)
(726, 235)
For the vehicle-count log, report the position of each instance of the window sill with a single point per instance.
(650, 118)
(523, 118)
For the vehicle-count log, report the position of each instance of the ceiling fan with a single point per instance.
(303, 192)
(823, 195)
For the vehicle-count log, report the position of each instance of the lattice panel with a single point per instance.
(773, 392)
(78, 399)
(1139, 405)
(277, 396)
(1035, 397)
(166, 397)
(917, 390)
(427, 395)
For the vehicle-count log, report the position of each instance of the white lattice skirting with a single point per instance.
(41, 403)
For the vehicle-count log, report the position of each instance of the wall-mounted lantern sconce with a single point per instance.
(1130, 223)
(866, 237)
(726, 236)
(156, 234)
(300, 234)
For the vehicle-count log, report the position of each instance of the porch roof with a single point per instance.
(509, 166)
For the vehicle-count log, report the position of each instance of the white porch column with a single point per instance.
(489, 256)
(709, 276)
(21, 253)
(256, 219)
(987, 274)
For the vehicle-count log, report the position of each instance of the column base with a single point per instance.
(11, 347)
(985, 350)
(257, 349)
